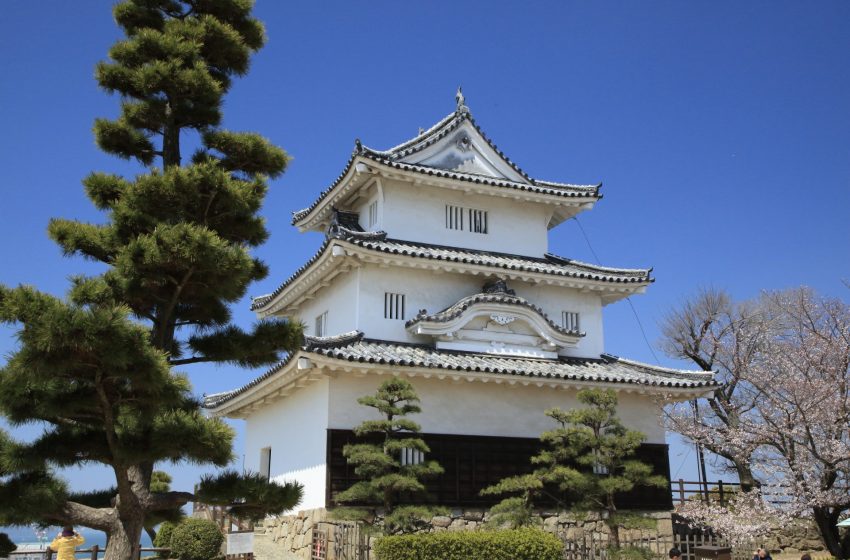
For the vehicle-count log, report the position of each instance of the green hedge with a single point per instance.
(163, 537)
(196, 539)
(515, 544)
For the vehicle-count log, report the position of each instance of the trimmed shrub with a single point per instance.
(163, 537)
(513, 544)
(196, 539)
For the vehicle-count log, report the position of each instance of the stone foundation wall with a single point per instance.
(798, 536)
(290, 537)
(287, 537)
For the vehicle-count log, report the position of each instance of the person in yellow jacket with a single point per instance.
(65, 543)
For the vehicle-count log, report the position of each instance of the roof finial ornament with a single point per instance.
(498, 286)
(421, 131)
(358, 146)
(461, 101)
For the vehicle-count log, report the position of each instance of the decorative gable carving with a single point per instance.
(496, 321)
(465, 150)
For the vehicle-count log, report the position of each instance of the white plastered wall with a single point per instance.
(296, 430)
(474, 408)
(425, 289)
(339, 299)
(554, 300)
(418, 213)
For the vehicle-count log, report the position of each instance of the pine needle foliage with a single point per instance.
(160, 483)
(96, 369)
(385, 480)
(589, 455)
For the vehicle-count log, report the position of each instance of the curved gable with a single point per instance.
(496, 321)
(465, 150)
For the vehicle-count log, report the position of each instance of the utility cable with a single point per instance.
(682, 464)
(628, 299)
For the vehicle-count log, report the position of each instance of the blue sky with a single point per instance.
(721, 132)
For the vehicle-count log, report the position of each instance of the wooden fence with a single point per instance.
(717, 491)
(596, 547)
(345, 541)
(95, 551)
(226, 522)
(339, 540)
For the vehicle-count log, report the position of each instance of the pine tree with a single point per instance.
(590, 455)
(96, 369)
(160, 484)
(386, 478)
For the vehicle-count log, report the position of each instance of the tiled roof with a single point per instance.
(260, 301)
(542, 187)
(392, 158)
(353, 347)
(549, 264)
(606, 368)
(457, 309)
(440, 130)
(349, 220)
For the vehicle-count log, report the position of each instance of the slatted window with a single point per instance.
(393, 306)
(454, 217)
(322, 324)
(466, 219)
(373, 214)
(266, 462)
(569, 320)
(598, 467)
(411, 456)
(477, 221)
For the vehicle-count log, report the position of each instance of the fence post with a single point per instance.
(48, 554)
(94, 550)
(681, 491)
(720, 491)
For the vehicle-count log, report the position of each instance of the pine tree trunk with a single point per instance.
(170, 140)
(615, 534)
(123, 542)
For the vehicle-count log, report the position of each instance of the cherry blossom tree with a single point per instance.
(717, 335)
(744, 518)
(786, 413)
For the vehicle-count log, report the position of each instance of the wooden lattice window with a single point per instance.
(570, 320)
(266, 462)
(468, 219)
(373, 214)
(322, 324)
(393, 306)
(454, 217)
(410, 456)
(477, 220)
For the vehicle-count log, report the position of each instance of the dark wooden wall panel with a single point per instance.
(475, 462)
